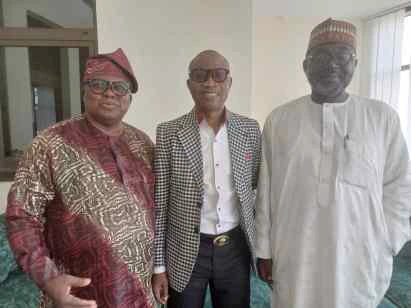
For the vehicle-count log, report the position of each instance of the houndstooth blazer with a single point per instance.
(179, 189)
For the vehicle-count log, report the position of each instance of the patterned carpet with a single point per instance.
(399, 292)
(17, 290)
(12, 279)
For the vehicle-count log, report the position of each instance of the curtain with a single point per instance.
(381, 58)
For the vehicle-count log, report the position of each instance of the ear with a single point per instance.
(230, 82)
(305, 65)
(84, 95)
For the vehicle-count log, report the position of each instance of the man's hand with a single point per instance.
(160, 287)
(59, 289)
(265, 267)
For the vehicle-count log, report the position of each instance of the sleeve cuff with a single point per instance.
(159, 269)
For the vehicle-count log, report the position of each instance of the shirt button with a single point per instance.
(219, 209)
(217, 164)
(218, 187)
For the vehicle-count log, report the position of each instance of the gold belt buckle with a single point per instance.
(221, 240)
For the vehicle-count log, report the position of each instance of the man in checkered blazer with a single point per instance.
(206, 166)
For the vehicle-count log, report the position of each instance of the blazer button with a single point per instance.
(196, 229)
(199, 204)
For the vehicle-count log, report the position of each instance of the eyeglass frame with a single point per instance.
(210, 72)
(352, 55)
(109, 86)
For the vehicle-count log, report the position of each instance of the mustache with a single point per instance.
(327, 72)
(109, 101)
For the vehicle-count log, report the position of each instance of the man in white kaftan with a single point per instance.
(334, 194)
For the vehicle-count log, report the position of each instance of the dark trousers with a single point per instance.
(226, 269)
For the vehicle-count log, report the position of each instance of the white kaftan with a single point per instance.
(333, 202)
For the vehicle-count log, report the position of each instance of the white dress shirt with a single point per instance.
(220, 210)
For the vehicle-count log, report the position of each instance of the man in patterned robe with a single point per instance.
(80, 213)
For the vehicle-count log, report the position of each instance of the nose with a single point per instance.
(209, 81)
(109, 91)
(334, 64)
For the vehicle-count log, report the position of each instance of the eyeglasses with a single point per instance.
(324, 58)
(99, 86)
(202, 75)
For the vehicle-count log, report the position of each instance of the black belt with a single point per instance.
(221, 239)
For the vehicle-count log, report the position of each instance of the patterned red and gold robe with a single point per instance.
(82, 204)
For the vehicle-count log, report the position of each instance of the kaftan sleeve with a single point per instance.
(396, 185)
(27, 200)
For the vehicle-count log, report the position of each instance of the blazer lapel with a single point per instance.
(237, 139)
(189, 136)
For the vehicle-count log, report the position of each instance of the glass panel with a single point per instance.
(47, 13)
(406, 46)
(44, 105)
(39, 86)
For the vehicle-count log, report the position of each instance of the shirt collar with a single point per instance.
(200, 116)
(88, 128)
(336, 105)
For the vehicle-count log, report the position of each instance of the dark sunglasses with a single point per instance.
(99, 86)
(202, 75)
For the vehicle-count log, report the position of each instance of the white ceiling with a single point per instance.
(350, 9)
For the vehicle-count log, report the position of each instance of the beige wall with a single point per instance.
(279, 45)
(266, 55)
(161, 37)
